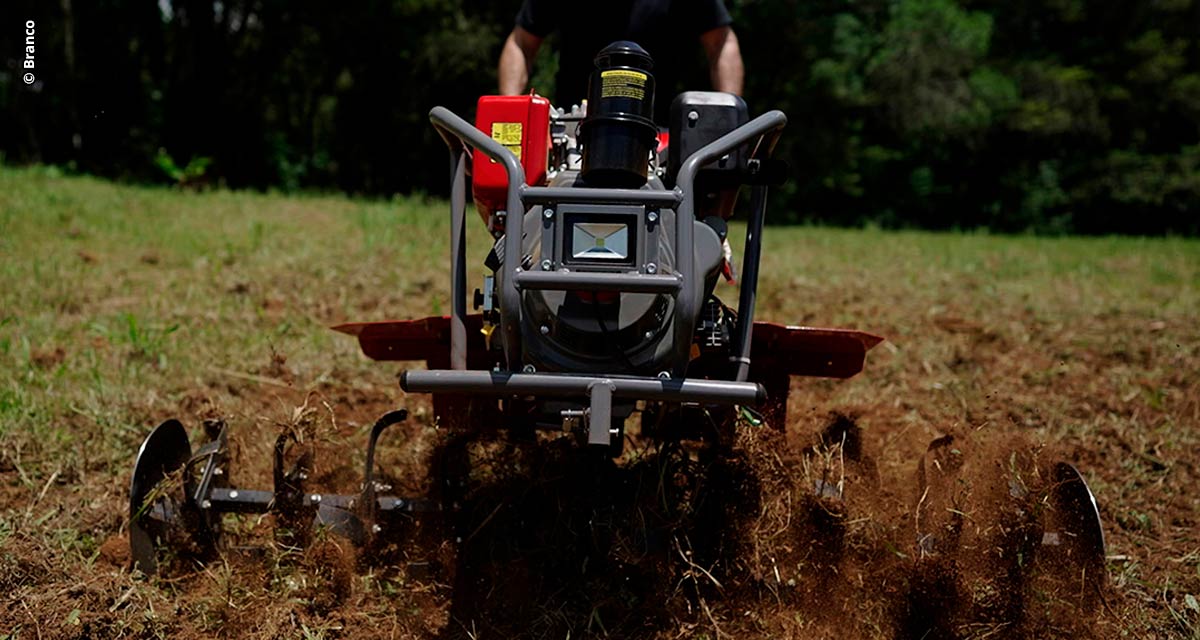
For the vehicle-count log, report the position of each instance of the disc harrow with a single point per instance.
(177, 498)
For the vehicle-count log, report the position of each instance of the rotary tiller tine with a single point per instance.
(213, 454)
(932, 462)
(358, 522)
(289, 485)
(936, 469)
(288, 504)
(846, 435)
(1072, 528)
(368, 505)
(214, 429)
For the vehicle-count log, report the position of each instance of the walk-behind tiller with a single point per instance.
(610, 237)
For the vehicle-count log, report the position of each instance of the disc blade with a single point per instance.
(1073, 525)
(163, 452)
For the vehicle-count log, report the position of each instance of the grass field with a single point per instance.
(123, 306)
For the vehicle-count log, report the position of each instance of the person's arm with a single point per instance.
(724, 59)
(516, 61)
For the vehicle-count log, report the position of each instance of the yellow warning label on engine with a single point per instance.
(507, 133)
(622, 83)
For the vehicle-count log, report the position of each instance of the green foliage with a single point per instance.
(190, 175)
(1051, 115)
(1058, 101)
(921, 71)
(995, 94)
(1157, 60)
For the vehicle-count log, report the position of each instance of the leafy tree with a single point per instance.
(1049, 115)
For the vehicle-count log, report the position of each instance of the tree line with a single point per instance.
(1053, 116)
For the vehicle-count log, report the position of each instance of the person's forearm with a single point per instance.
(725, 68)
(514, 70)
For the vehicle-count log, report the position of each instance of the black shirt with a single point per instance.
(668, 30)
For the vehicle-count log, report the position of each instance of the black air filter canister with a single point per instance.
(618, 132)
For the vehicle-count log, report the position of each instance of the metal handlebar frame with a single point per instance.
(459, 134)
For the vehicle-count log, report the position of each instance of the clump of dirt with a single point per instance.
(329, 566)
(115, 551)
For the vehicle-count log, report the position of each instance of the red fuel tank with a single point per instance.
(520, 123)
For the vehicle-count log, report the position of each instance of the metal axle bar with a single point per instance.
(567, 385)
(226, 500)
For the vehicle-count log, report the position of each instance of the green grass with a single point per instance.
(121, 306)
(144, 289)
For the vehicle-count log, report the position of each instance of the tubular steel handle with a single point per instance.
(771, 122)
(687, 304)
(457, 132)
(448, 124)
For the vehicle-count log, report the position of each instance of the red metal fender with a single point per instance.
(425, 339)
(810, 351)
(777, 349)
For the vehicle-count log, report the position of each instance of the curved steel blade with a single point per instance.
(163, 452)
(1074, 524)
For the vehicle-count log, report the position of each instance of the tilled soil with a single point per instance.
(819, 530)
(771, 534)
